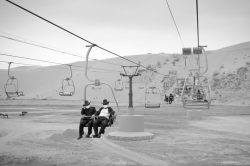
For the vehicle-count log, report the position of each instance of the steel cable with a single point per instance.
(74, 34)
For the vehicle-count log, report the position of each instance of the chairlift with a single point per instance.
(141, 86)
(96, 83)
(127, 85)
(198, 95)
(11, 87)
(118, 85)
(152, 91)
(152, 86)
(68, 87)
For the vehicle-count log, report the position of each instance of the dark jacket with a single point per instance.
(110, 110)
(88, 112)
(171, 97)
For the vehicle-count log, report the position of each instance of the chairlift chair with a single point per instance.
(127, 85)
(110, 123)
(152, 91)
(195, 99)
(97, 85)
(141, 86)
(142, 83)
(68, 87)
(118, 85)
(11, 87)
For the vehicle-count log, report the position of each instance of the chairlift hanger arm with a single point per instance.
(206, 60)
(70, 71)
(87, 60)
(121, 76)
(12, 77)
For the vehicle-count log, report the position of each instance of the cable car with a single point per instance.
(11, 87)
(68, 87)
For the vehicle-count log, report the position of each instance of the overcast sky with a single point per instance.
(125, 27)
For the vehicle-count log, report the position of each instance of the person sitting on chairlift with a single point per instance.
(103, 114)
(199, 95)
(87, 118)
(171, 98)
(166, 98)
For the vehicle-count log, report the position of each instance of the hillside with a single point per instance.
(36, 81)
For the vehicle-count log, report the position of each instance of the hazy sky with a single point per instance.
(126, 27)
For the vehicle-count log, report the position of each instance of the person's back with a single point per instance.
(166, 98)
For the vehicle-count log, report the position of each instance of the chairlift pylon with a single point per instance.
(12, 92)
(68, 87)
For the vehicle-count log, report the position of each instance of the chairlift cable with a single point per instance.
(28, 40)
(52, 49)
(175, 23)
(51, 67)
(197, 23)
(75, 34)
(177, 28)
(197, 17)
(53, 62)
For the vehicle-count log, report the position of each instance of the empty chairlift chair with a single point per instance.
(141, 86)
(118, 85)
(11, 86)
(142, 83)
(68, 87)
(154, 102)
